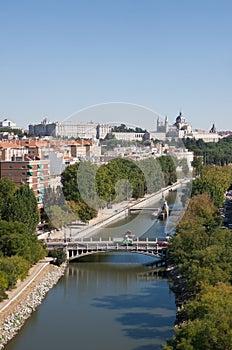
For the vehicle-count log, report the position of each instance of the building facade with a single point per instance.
(70, 129)
(182, 129)
(34, 173)
(6, 123)
(128, 136)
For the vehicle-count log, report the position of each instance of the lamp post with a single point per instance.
(64, 232)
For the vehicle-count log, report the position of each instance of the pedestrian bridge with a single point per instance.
(77, 249)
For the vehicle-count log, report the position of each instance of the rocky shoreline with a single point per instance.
(14, 318)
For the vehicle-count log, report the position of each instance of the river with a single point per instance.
(107, 302)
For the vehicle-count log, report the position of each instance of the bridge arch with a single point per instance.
(75, 250)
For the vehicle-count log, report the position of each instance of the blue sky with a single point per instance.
(59, 56)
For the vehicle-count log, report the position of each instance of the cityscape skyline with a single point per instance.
(59, 57)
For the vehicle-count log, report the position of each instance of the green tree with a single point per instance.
(209, 321)
(197, 164)
(168, 166)
(215, 181)
(183, 163)
(59, 256)
(23, 207)
(77, 183)
(7, 189)
(58, 216)
(16, 239)
(18, 203)
(202, 250)
(153, 173)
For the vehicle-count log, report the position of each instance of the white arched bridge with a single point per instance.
(79, 248)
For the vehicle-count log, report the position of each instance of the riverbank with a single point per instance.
(107, 216)
(25, 298)
(28, 295)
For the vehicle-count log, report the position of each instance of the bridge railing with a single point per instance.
(108, 244)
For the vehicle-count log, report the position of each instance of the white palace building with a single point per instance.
(181, 129)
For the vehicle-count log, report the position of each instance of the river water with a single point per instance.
(108, 302)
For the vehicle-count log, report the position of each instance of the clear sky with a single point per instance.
(59, 56)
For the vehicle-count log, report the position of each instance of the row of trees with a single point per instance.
(202, 250)
(214, 181)
(218, 153)
(19, 246)
(124, 128)
(16, 131)
(18, 204)
(87, 187)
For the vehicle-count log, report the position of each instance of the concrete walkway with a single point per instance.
(22, 285)
(106, 216)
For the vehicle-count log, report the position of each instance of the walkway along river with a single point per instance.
(108, 302)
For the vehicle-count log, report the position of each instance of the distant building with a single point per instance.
(34, 173)
(182, 153)
(182, 129)
(70, 129)
(6, 123)
(162, 127)
(128, 136)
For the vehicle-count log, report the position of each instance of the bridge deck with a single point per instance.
(77, 249)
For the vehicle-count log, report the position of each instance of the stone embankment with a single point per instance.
(14, 317)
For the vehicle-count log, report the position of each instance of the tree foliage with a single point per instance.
(209, 321)
(87, 187)
(14, 131)
(215, 181)
(168, 166)
(217, 153)
(124, 128)
(19, 246)
(78, 187)
(18, 203)
(202, 251)
(59, 256)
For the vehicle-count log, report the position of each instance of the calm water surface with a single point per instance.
(103, 305)
(108, 303)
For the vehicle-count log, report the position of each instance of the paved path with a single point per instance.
(105, 216)
(22, 285)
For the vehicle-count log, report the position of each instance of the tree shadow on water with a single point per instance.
(148, 298)
(149, 318)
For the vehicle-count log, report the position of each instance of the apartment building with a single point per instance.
(35, 173)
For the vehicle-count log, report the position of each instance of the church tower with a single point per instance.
(158, 123)
(213, 130)
(166, 124)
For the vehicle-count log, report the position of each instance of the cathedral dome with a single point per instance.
(180, 119)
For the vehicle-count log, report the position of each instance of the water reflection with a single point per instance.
(109, 302)
(144, 311)
(143, 225)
